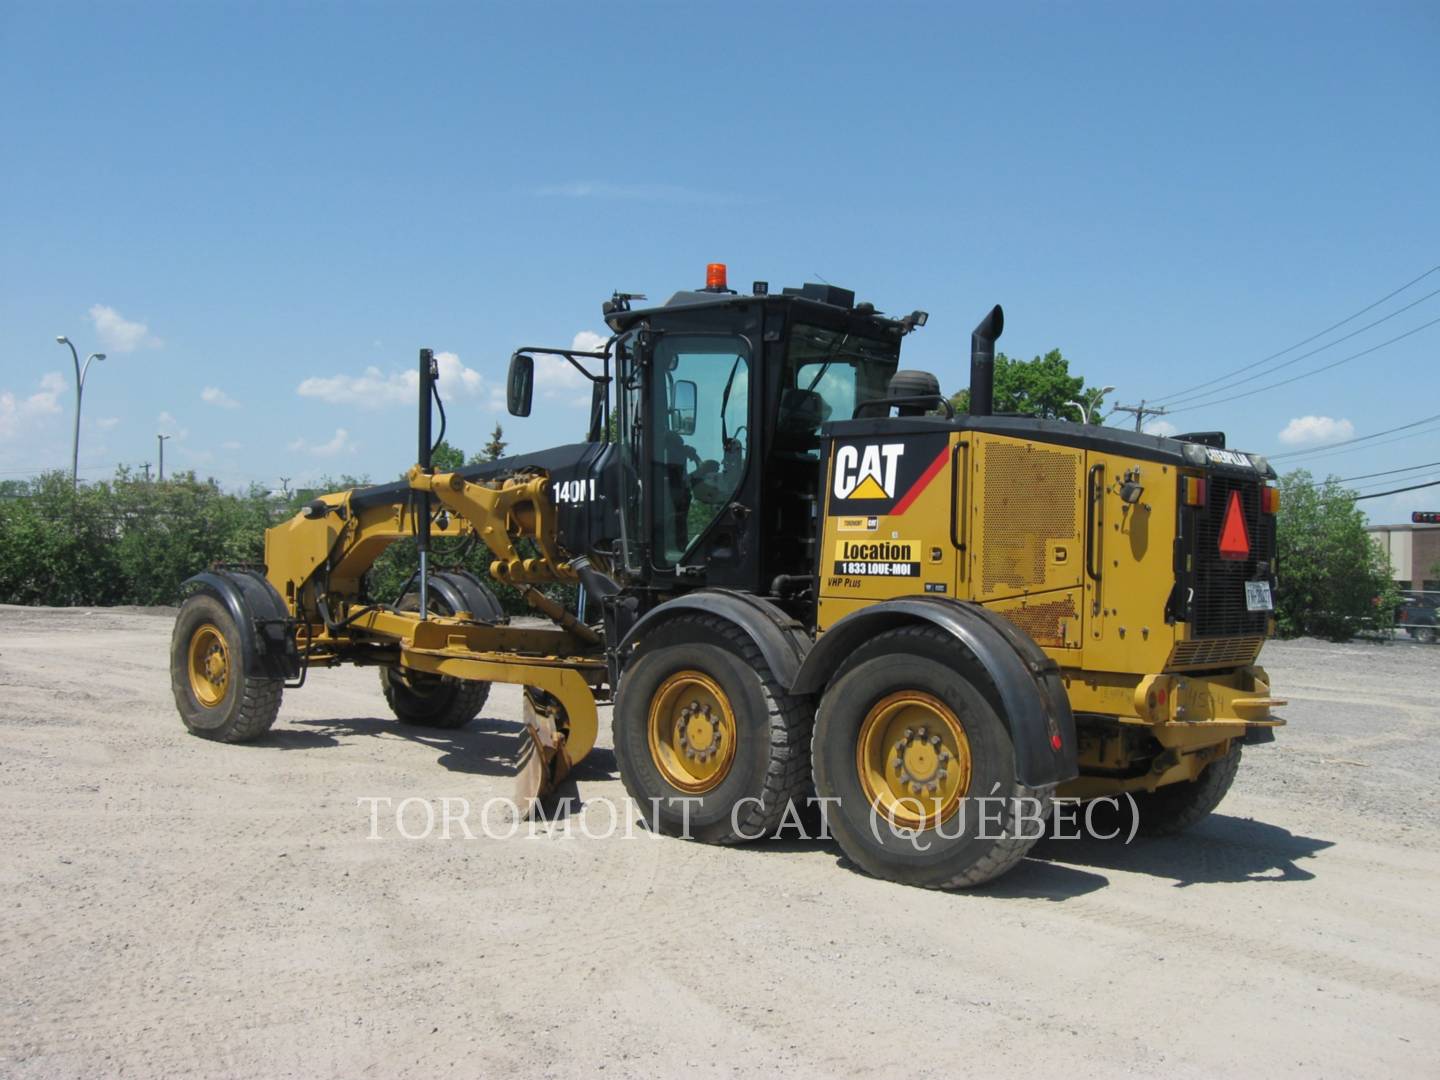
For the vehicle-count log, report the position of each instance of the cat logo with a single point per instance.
(867, 472)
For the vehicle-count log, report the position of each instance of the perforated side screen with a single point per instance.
(1030, 503)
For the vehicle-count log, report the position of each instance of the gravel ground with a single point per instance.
(174, 906)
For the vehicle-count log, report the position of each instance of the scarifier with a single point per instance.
(800, 574)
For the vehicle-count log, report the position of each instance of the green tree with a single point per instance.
(446, 458)
(1333, 580)
(493, 450)
(1042, 387)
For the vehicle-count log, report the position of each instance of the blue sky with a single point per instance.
(261, 211)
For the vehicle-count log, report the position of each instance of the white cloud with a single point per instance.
(213, 395)
(339, 443)
(373, 388)
(1160, 427)
(1303, 430)
(557, 379)
(119, 334)
(167, 424)
(16, 412)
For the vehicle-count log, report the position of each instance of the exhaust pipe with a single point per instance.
(982, 361)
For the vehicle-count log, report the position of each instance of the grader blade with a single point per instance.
(541, 763)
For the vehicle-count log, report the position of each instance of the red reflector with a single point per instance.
(1234, 538)
(715, 276)
(1055, 742)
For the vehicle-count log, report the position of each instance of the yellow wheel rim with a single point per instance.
(691, 731)
(209, 665)
(913, 759)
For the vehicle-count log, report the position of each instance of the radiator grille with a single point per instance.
(1218, 608)
(1030, 502)
(1045, 623)
(1220, 652)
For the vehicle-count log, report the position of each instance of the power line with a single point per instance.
(1140, 411)
(1390, 472)
(1307, 374)
(1357, 439)
(1184, 396)
(1301, 344)
(1398, 491)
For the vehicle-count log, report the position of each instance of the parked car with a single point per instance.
(1419, 614)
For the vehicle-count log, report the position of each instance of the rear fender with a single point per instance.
(1033, 701)
(781, 640)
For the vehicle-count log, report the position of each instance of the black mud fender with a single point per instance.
(782, 641)
(1032, 695)
(463, 591)
(267, 633)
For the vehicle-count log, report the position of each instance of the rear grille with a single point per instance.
(1218, 608)
(1221, 652)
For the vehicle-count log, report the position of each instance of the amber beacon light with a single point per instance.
(715, 276)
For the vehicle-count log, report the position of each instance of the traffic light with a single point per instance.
(1425, 517)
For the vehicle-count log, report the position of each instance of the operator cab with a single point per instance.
(720, 399)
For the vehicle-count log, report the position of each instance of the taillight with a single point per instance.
(1270, 500)
(1192, 490)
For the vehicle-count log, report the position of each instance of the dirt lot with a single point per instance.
(176, 906)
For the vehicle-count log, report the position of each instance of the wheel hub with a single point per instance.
(913, 759)
(209, 665)
(691, 731)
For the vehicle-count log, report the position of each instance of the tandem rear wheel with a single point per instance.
(216, 698)
(709, 744)
(918, 768)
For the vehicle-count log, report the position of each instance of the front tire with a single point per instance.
(439, 701)
(216, 698)
(920, 766)
(708, 743)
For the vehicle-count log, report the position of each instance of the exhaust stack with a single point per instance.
(982, 361)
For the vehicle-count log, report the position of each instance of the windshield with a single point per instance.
(828, 373)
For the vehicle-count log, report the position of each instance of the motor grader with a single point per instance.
(799, 575)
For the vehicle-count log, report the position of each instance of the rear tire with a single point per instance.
(216, 698)
(708, 743)
(1175, 807)
(875, 744)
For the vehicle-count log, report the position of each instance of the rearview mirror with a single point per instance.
(520, 384)
(682, 416)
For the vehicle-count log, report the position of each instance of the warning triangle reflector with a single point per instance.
(1234, 539)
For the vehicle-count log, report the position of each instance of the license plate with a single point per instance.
(1257, 596)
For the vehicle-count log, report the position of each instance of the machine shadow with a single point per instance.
(1221, 849)
(486, 747)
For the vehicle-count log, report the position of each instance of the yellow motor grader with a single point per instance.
(800, 575)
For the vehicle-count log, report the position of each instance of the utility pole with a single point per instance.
(285, 486)
(1141, 411)
(162, 439)
(80, 374)
(146, 467)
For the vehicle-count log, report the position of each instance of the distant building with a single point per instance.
(1414, 551)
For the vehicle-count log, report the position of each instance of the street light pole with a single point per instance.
(161, 439)
(1094, 398)
(79, 397)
